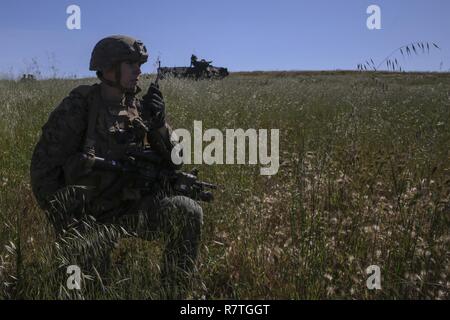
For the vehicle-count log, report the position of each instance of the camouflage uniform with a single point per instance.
(67, 188)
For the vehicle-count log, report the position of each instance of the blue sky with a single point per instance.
(241, 35)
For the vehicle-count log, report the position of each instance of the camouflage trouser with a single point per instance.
(177, 219)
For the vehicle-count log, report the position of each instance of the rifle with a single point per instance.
(146, 168)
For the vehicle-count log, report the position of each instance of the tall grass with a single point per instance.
(364, 179)
(393, 62)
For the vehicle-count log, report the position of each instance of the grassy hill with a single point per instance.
(364, 180)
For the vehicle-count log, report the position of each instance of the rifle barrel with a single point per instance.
(206, 185)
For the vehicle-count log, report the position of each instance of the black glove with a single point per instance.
(154, 108)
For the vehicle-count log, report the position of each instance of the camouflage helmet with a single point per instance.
(115, 49)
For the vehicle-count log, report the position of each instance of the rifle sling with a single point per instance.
(93, 105)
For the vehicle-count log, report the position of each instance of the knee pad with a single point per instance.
(188, 207)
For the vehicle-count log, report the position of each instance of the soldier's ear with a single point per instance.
(109, 74)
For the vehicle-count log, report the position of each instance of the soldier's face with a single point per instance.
(130, 72)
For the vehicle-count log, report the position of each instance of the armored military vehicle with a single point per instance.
(27, 78)
(197, 70)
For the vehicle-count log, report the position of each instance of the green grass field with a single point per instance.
(364, 180)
